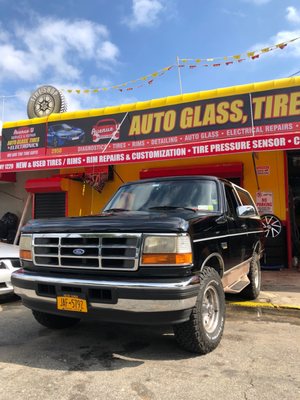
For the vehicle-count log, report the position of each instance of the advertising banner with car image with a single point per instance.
(259, 121)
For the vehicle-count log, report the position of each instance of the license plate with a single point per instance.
(75, 138)
(71, 303)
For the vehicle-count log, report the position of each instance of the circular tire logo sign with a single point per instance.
(45, 101)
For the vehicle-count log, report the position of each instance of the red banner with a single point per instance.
(196, 149)
(266, 120)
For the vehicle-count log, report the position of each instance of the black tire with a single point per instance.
(45, 101)
(252, 291)
(203, 331)
(52, 321)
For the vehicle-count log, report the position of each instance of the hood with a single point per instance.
(126, 221)
(8, 251)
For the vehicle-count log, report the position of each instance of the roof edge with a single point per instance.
(164, 101)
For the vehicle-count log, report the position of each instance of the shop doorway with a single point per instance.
(293, 162)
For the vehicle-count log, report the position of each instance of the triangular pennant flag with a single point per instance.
(281, 46)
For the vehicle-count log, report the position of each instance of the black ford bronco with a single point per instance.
(163, 251)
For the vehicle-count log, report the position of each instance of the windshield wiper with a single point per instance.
(172, 208)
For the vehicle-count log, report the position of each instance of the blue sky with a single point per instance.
(75, 44)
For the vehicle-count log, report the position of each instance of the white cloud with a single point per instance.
(145, 13)
(293, 15)
(107, 51)
(292, 50)
(54, 48)
(14, 108)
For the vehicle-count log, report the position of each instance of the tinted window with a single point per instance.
(199, 194)
(245, 197)
(232, 202)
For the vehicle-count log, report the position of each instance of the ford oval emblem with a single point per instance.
(78, 252)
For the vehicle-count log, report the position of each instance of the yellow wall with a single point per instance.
(82, 199)
(85, 201)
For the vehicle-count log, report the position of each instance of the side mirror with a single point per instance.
(246, 211)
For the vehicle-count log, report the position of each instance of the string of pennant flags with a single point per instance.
(126, 86)
(229, 60)
(189, 63)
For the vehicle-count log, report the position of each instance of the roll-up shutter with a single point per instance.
(50, 205)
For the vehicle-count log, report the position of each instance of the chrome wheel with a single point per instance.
(210, 309)
(271, 225)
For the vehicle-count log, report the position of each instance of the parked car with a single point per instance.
(105, 129)
(64, 135)
(163, 251)
(9, 262)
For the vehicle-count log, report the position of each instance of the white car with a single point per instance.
(9, 262)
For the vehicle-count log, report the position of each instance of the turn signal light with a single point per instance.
(161, 258)
(26, 255)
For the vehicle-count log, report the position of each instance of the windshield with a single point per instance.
(193, 194)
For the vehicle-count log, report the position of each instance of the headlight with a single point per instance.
(25, 247)
(171, 250)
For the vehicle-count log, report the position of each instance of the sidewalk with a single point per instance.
(280, 290)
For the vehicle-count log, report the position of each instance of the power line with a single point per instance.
(296, 73)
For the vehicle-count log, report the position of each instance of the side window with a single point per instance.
(232, 202)
(245, 198)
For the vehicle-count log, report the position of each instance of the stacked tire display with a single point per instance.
(8, 227)
(275, 256)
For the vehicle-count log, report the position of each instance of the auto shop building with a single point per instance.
(71, 163)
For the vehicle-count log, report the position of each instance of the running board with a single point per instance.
(235, 279)
(238, 286)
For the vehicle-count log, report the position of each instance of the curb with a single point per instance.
(257, 304)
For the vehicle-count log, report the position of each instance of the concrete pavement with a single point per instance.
(280, 290)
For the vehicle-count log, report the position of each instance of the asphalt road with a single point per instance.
(258, 358)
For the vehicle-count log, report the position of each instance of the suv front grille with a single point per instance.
(107, 251)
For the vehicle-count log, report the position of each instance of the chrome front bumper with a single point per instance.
(143, 296)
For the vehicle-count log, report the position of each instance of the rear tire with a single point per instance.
(252, 291)
(52, 321)
(203, 331)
